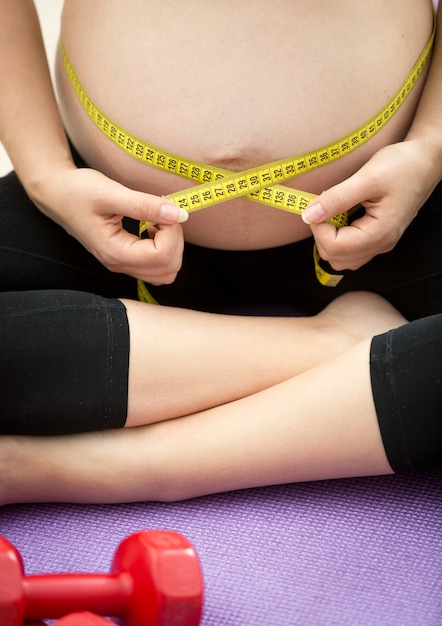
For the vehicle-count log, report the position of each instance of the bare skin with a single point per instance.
(310, 89)
(194, 361)
(270, 424)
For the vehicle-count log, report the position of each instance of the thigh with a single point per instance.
(36, 253)
(406, 377)
(64, 358)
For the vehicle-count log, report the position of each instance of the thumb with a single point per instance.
(145, 207)
(336, 200)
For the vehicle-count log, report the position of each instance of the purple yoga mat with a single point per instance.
(350, 552)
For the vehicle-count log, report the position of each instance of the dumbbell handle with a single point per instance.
(53, 595)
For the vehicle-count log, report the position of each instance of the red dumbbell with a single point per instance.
(155, 579)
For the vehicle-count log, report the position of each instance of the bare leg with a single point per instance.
(182, 361)
(311, 426)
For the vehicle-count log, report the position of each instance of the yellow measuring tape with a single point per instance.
(260, 184)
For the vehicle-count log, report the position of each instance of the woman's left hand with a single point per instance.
(392, 186)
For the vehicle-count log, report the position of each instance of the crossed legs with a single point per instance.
(219, 403)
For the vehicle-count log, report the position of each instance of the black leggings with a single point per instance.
(64, 362)
(406, 379)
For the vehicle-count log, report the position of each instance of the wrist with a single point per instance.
(43, 184)
(429, 147)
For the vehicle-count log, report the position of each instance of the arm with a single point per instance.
(84, 202)
(392, 186)
(28, 128)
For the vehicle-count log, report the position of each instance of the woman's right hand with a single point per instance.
(91, 208)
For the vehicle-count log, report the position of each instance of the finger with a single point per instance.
(358, 189)
(169, 246)
(169, 240)
(164, 255)
(349, 247)
(147, 259)
(145, 207)
(152, 231)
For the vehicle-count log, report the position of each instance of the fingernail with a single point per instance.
(173, 213)
(184, 216)
(314, 213)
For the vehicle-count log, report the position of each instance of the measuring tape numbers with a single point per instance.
(260, 184)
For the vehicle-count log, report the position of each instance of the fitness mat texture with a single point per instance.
(348, 552)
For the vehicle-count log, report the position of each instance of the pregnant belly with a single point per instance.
(224, 118)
